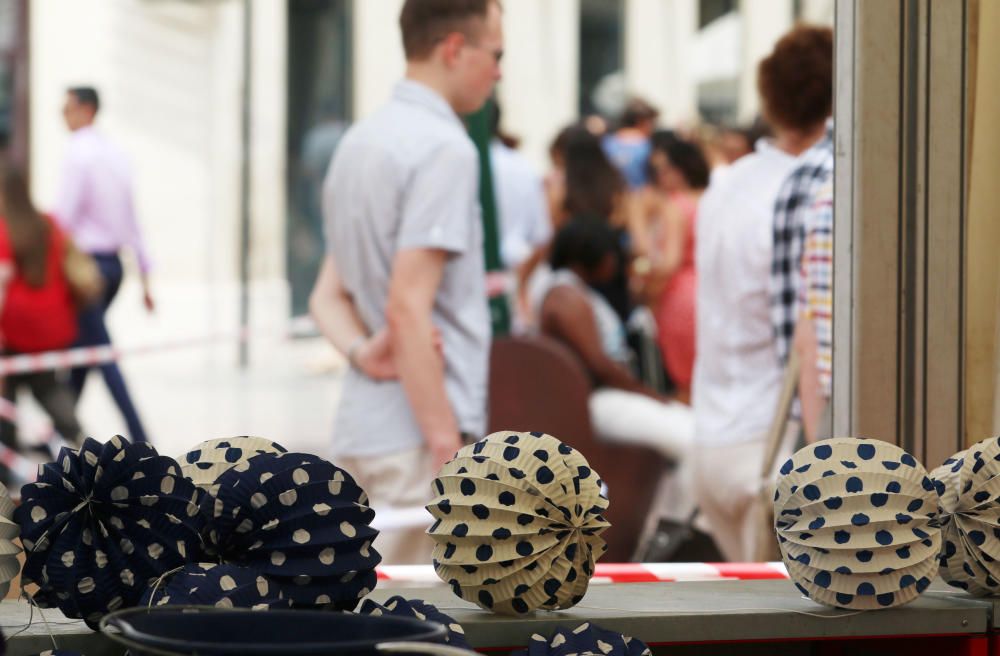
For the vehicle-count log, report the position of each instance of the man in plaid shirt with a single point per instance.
(794, 199)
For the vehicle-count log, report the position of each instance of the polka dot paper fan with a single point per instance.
(401, 607)
(584, 639)
(100, 524)
(518, 520)
(10, 566)
(857, 523)
(969, 483)
(207, 461)
(301, 522)
(211, 584)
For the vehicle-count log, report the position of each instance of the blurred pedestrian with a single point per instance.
(555, 180)
(595, 188)
(678, 175)
(404, 258)
(622, 409)
(584, 182)
(738, 374)
(95, 206)
(37, 309)
(628, 147)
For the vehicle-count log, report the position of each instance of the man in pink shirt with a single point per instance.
(95, 207)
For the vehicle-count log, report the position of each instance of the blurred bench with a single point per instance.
(537, 384)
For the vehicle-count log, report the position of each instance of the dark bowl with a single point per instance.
(186, 631)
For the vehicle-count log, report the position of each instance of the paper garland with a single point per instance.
(100, 524)
(856, 523)
(518, 518)
(209, 584)
(969, 483)
(301, 522)
(10, 566)
(584, 639)
(401, 607)
(207, 461)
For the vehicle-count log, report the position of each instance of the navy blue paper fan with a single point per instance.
(584, 639)
(210, 584)
(100, 524)
(420, 609)
(300, 521)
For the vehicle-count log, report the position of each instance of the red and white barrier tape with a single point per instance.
(604, 573)
(97, 355)
(27, 469)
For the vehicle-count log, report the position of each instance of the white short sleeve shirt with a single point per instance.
(737, 374)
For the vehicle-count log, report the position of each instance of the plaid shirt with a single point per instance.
(816, 289)
(794, 199)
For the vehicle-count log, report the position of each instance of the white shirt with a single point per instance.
(737, 374)
(407, 177)
(520, 194)
(95, 204)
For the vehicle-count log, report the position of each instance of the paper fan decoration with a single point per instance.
(518, 523)
(857, 523)
(969, 483)
(584, 639)
(9, 530)
(301, 522)
(209, 584)
(207, 461)
(400, 607)
(100, 524)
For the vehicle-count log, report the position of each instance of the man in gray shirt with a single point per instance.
(402, 291)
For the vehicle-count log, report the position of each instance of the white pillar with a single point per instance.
(268, 140)
(538, 92)
(658, 40)
(764, 22)
(378, 53)
(62, 55)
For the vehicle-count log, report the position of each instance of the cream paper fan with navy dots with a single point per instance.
(301, 522)
(211, 584)
(10, 566)
(584, 639)
(204, 463)
(518, 519)
(969, 483)
(857, 523)
(101, 524)
(401, 607)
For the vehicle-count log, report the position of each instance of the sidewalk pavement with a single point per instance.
(288, 393)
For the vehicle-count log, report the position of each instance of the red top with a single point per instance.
(35, 319)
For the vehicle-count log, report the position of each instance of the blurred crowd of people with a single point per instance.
(711, 246)
(688, 270)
